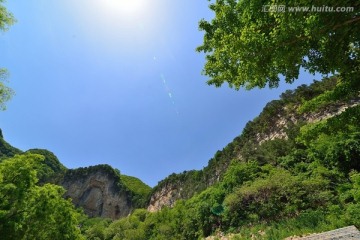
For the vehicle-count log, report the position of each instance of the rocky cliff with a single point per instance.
(99, 191)
(282, 121)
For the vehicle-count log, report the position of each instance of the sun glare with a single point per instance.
(114, 24)
(125, 8)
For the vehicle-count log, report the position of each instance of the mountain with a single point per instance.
(100, 191)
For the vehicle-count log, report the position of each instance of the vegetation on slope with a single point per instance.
(139, 188)
(307, 182)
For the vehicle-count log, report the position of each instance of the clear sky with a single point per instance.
(119, 82)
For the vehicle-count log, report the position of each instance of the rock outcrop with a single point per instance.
(281, 121)
(99, 191)
(166, 196)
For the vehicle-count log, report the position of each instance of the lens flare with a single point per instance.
(169, 92)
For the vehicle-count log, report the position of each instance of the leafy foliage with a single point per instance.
(6, 18)
(248, 47)
(140, 189)
(28, 211)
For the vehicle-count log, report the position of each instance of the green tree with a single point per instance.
(29, 211)
(248, 46)
(6, 20)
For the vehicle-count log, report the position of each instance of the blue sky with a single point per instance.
(119, 82)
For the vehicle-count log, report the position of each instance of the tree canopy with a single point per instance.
(247, 45)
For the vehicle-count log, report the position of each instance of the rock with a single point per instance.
(98, 190)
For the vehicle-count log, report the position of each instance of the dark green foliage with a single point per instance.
(336, 141)
(239, 173)
(278, 195)
(51, 170)
(93, 228)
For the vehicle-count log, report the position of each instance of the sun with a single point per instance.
(124, 8)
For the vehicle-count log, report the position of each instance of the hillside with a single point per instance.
(280, 120)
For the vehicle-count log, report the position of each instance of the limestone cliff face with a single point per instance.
(166, 196)
(99, 191)
(277, 128)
